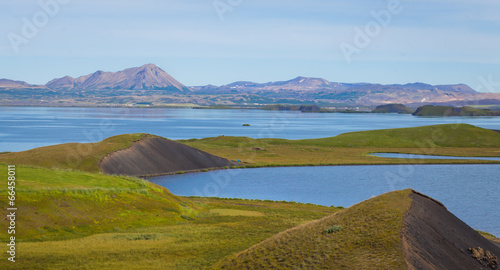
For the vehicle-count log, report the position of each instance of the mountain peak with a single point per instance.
(146, 77)
(153, 66)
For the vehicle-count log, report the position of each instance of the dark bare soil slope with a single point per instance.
(156, 156)
(434, 238)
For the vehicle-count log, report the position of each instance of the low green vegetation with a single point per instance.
(334, 228)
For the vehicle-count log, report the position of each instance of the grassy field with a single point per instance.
(354, 148)
(74, 220)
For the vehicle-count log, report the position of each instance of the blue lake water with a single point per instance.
(23, 128)
(412, 156)
(471, 192)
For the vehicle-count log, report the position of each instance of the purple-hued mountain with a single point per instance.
(147, 77)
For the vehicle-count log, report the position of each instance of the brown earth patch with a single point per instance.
(158, 156)
(433, 238)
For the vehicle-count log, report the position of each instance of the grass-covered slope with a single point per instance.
(56, 204)
(76, 156)
(364, 236)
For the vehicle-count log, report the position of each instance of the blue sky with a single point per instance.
(431, 41)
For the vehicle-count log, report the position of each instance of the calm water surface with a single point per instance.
(471, 192)
(23, 128)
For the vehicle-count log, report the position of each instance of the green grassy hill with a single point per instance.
(364, 236)
(75, 156)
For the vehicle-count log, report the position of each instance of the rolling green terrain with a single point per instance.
(73, 220)
(345, 149)
(353, 148)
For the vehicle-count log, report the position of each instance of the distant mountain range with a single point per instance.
(321, 90)
(150, 83)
